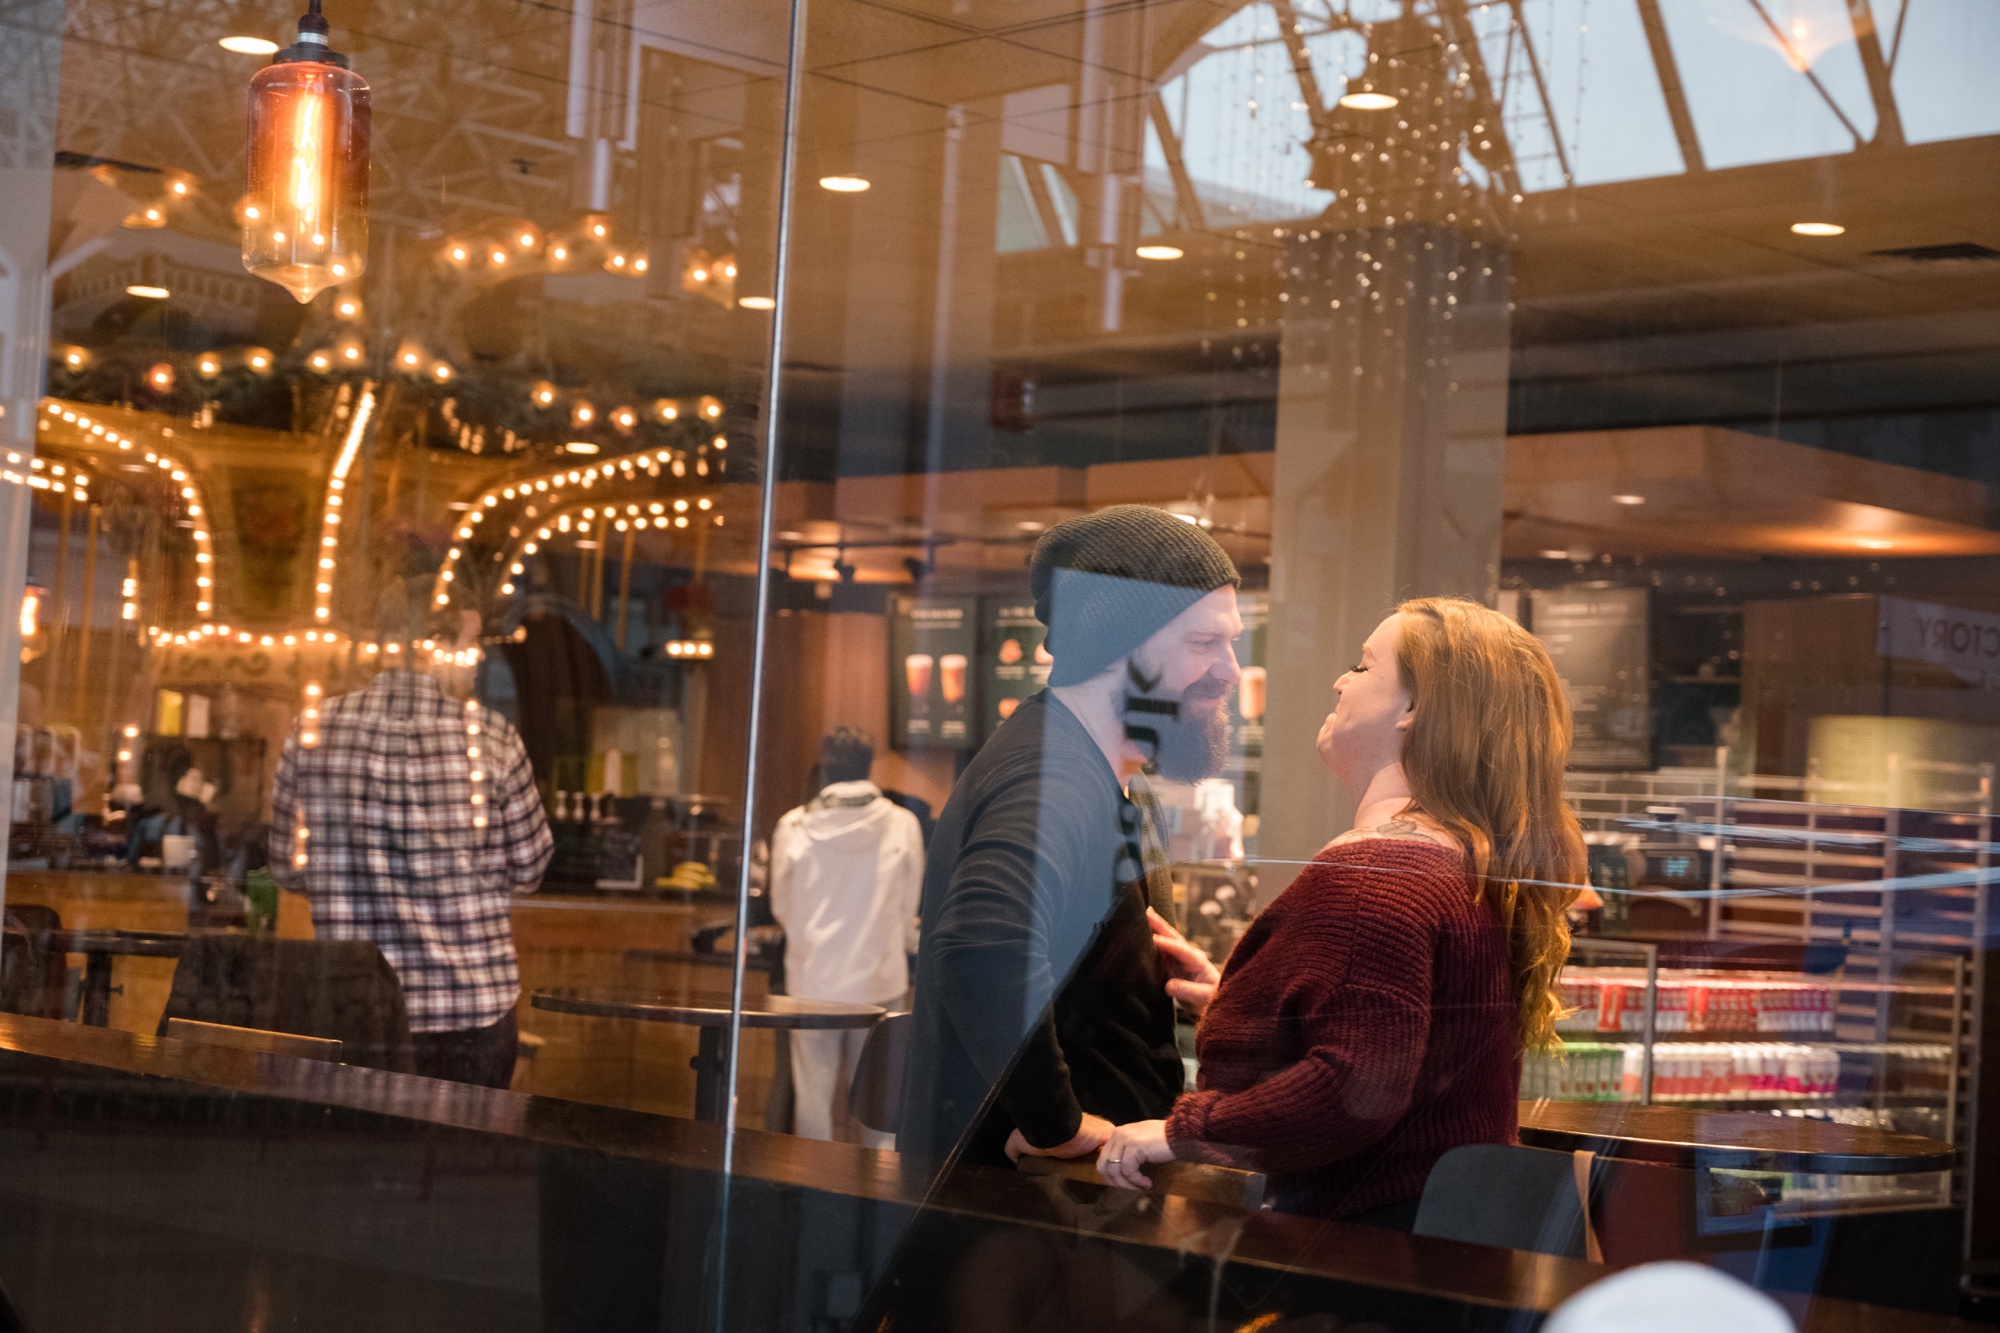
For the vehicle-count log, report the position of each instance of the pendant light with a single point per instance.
(305, 221)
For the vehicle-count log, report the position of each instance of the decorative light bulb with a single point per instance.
(306, 223)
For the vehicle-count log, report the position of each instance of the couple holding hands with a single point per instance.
(1374, 1014)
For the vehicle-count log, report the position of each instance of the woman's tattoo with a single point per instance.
(1399, 826)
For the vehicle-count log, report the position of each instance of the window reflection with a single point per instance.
(1644, 327)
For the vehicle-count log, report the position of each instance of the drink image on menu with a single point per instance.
(1250, 694)
(951, 681)
(917, 671)
(1015, 664)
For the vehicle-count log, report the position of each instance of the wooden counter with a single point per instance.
(562, 940)
(71, 1071)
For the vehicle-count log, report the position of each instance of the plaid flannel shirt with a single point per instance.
(388, 791)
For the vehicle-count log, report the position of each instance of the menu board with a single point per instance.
(1017, 662)
(932, 643)
(1597, 638)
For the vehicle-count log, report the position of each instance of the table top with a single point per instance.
(1750, 1140)
(760, 1011)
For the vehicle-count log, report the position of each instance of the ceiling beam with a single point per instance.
(1868, 42)
(1671, 87)
(1187, 201)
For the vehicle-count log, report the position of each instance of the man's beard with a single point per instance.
(1187, 739)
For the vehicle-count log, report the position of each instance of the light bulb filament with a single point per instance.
(308, 162)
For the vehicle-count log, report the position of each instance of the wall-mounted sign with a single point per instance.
(1017, 663)
(1965, 643)
(1597, 637)
(933, 642)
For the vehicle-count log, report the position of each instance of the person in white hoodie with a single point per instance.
(847, 871)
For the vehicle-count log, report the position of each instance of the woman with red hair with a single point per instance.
(1373, 1016)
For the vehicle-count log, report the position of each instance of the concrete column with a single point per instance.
(1391, 438)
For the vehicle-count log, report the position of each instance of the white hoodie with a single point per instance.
(847, 871)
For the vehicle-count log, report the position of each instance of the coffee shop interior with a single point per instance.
(672, 350)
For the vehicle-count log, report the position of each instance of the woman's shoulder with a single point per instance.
(1393, 871)
(1401, 841)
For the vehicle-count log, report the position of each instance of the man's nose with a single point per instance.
(1227, 671)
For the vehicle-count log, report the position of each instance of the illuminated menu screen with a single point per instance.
(933, 642)
(1017, 663)
(1597, 639)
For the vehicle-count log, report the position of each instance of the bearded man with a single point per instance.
(1041, 1017)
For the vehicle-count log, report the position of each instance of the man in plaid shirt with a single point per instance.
(410, 818)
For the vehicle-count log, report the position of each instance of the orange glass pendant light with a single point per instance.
(305, 220)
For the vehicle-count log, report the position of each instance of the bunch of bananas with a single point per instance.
(692, 876)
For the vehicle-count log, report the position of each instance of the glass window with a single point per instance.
(815, 666)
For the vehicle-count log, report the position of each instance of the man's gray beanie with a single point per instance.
(1106, 582)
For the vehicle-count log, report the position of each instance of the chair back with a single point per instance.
(1506, 1195)
(254, 1039)
(34, 975)
(344, 990)
(875, 1096)
(1529, 1199)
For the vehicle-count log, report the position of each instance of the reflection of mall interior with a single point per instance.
(1666, 328)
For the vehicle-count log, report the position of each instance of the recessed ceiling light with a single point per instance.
(756, 302)
(150, 293)
(1628, 499)
(248, 46)
(1555, 555)
(1875, 544)
(1160, 252)
(1818, 228)
(843, 184)
(1368, 101)
(580, 447)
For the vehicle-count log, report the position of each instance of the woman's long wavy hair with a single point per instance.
(1485, 755)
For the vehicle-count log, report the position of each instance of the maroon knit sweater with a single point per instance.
(1364, 1026)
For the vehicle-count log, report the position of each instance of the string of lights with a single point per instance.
(177, 473)
(330, 510)
(556, 485)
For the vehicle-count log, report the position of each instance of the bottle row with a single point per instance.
(1607, 1000)
(1712, 1071)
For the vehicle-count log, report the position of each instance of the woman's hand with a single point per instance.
(1089, 1136)
(1194, 977)
(1131, 1147)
